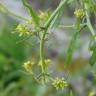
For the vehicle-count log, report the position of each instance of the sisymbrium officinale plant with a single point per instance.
(40, 24)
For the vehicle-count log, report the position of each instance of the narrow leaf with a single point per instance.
(71, 48)
(92, 60)
(33, 14)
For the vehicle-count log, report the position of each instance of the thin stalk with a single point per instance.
(66, 26)
(70, 26)
(13, 14)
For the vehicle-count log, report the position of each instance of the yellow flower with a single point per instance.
(23, 29)
(59, 83)
(46, 61)
(79, 13)
(28, 66)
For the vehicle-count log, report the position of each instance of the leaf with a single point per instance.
(92, 60)
(91, 5)
(71, 48)
(33, 14)
(73, 42)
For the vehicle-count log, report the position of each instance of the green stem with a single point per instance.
(62, 3)
(41, 53)
(47, 25)
(66, 26)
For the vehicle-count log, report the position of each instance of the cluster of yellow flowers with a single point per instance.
(28, 65)
(79, 13)
(59, 83)
(23, 29)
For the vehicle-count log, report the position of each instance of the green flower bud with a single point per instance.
(43, 15)
(79, 13)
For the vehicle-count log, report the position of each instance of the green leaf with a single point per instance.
(91, 5)
(71, 48)
(33, 14)
(73, 43)
(92, 60)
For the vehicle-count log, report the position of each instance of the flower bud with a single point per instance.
(28, 66)
(79, 13)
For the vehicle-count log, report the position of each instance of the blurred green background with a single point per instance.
(14, 82)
